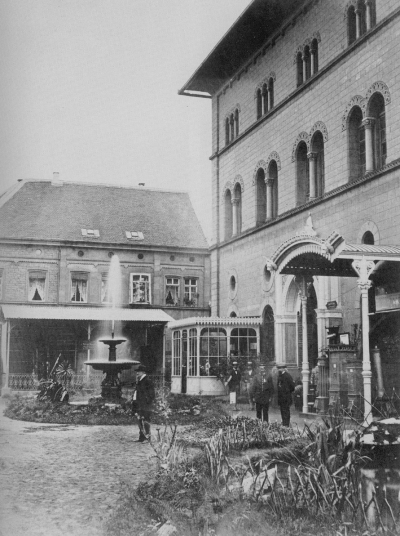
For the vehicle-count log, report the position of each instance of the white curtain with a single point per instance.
(36, 289)
(79, 290)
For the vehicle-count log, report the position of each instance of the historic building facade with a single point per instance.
(57, 240)
(306, 181)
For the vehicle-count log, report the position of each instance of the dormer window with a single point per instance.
(134, 235)
(90, 233)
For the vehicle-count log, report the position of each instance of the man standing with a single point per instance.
(248, 380)
(233, 383)
(261, 391)
(285, 390)
(144, 397)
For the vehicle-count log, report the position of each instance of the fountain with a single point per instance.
(111, 385)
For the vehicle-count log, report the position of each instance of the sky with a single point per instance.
(89, 89)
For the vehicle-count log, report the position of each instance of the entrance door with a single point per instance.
(184, 361)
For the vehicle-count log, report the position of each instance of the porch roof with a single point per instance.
(216, 321)
(50, 312)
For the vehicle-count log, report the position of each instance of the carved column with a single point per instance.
(269, 182)
(312, 169)
(358, 22)
(364, 269)
(376, 356)
(235, 216)
(368, 124)
(305, 371)
(368, 4)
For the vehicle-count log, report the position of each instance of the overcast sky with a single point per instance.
(89, 89)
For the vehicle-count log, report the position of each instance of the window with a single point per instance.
(176, 353)
(90, 233)
(259, 103)
(172, 291)
(37, 285)
(79, 287)
(270, 93)
(306, 63)
(299, 68)
(191, 295)
(227, 131)
(302, 173)
(237, 210)
(1, 284)
(261, 190)
(192, 365)
(314, 56)
(272, 190)
(317, 166)
(356, 141)
(213, 350)
(267, 335)
(140, 288)
(243, 342)
(134, 235)
(375, 133)
(360, 19)
(368, 238)
(228, 215)
(236, 123)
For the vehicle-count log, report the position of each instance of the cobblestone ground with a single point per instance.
(64, 480)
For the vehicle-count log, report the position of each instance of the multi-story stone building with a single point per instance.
(56, 243)
(305, 188)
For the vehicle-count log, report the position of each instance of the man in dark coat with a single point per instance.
(261, 391)
(285, 390)
(144, 397)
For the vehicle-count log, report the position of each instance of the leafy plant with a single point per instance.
(64, 372)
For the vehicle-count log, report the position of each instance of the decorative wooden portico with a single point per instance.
(306, 255)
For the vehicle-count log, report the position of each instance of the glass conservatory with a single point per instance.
(203, 347)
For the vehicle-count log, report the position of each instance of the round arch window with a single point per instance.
(368, 238)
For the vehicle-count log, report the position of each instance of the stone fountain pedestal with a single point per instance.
(111, 385)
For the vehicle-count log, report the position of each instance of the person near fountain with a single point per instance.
(285, 390)
(144, 397)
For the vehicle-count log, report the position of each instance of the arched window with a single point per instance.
(237, 210)
(356, 142)
(299, 67)
(317, 166)
(368, 238)
(227, 131)
(228, 215)
(272, 190)
(259, 103)
(264, 99)
(271, 93)
(314, 56)
(351, 25)
(236, 122)
(232, 125)
(261, 192)
(302, 192)
(377, 112)
(267, 335)
(307, 61)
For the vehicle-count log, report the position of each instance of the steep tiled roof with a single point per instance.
(44, 211)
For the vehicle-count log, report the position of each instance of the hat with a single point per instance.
(141, 368)
(234, 362)
(281, 366)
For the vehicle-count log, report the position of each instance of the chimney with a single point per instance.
(56, 179)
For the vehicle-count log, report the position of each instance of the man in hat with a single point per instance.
(285, 390)
(144, 397)
(233, 383)
(261, 391)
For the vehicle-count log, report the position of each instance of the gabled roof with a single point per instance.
(42, 210)
(259, 22)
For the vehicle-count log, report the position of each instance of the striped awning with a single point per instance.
(216, 321)
(49, 312)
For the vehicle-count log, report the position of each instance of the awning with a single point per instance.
(49, 312)
(216, 321)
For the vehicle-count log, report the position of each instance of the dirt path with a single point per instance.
(64, 480)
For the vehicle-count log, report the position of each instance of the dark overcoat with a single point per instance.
(285, 389)
(145, 394)
(234, 381)
(262, 389)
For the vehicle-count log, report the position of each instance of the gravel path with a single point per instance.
(64, 480)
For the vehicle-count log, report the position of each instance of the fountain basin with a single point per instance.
(105, 365)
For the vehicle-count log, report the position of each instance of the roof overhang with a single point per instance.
(259, 22)
(49, 312)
